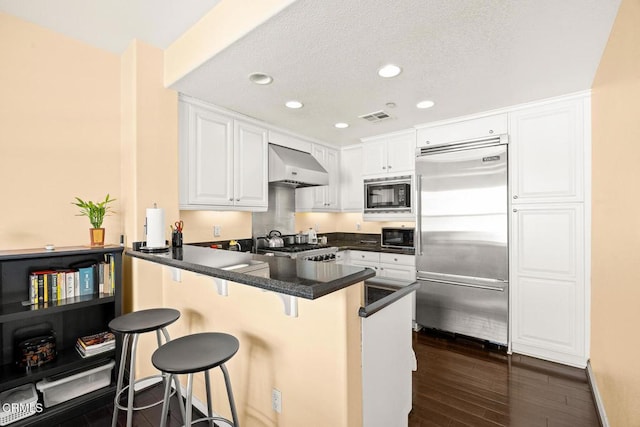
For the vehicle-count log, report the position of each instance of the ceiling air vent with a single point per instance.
(376, 116)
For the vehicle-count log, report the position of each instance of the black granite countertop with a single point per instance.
(305, 279)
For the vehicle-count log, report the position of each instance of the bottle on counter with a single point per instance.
(312, 236)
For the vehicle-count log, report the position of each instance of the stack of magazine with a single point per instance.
(96, 344)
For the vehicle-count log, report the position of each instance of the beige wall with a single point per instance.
(343, 222)
(615, 349)
(59, 136)
(313, 359)
(149, 140)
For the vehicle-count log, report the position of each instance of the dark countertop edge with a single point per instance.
(287, 288)
(373, 308)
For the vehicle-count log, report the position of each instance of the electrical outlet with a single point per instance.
(216, 231)
(357, 226)
(276, 400)
(317, 228)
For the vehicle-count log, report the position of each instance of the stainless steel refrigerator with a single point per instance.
(461, 245)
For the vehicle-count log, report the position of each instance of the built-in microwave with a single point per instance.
(388, 195)
(397, 237)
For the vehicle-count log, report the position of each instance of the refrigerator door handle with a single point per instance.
(468, 285)
(418, 237)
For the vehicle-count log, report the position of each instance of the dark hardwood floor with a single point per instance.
(462, 383)
(101, 417)
(458, 383)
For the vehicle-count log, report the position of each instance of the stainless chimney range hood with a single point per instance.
(295, 168)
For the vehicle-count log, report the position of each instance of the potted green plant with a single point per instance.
(95, 212)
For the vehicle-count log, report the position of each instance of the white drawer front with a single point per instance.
(364, 256)
(388, 258)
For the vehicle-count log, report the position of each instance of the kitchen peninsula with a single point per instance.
(314, 356)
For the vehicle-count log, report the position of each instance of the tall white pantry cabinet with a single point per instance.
(550, 164)
(549, 219)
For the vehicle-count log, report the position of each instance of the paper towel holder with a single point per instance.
(142, 247)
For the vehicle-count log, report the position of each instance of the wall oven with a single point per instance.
(388, 195)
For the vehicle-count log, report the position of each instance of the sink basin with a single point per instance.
(249, 267)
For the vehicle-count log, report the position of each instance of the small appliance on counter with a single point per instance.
(397, 237)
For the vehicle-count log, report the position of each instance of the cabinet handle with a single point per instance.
(384, 167)
(515, 210)
(515, 196)
(237, 200)
(381, 268)
(231, 199)
(395, 259)
(362, 256)
(389, 167)
(427, 142)
(490, 131)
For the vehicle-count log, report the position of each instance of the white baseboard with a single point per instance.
(602, 415)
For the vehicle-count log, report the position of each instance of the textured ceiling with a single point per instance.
(112, 24)
(466, 56)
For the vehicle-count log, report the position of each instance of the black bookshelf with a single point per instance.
(69, 319)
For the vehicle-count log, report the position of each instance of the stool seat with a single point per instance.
(195, 353)
(142, 321)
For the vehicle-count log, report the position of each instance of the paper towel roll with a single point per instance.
(155, 228)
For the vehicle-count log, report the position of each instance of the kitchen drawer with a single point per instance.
(397, 259)
(364, 256)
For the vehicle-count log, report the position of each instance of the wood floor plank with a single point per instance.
(474, 385)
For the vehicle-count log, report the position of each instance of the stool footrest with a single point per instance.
(200, 420)
(150, 405)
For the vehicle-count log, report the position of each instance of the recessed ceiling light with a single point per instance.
(293, 104)
(341, 125)
(425, 104)
(389, 70)
(260, 78)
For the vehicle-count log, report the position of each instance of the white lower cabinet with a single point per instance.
(386, 265)
(548, 282)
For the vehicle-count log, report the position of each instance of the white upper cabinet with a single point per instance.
(324, 198)
(223, 161)
(548, 152)
(250, 172)
(351, 186)
(389, 155)
(442, 134)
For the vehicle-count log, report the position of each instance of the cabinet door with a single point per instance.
(351, 186)
(462, 131)
(547, 152)
(547, 282)
(374, 157)
(319, 193)
(210, 158)
(332, 191)
(401, 154)
(251, 165)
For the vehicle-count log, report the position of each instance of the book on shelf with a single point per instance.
(91, 345)
(86, 280)
(55, 285)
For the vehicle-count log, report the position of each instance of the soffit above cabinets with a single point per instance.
(465, 56)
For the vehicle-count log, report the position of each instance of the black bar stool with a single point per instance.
(132, 325)
(197, 353)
